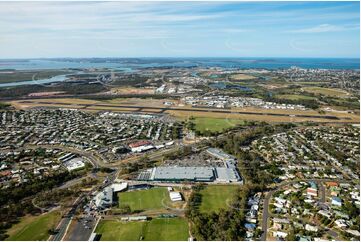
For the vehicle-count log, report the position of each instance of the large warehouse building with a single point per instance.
(192, 174)
(226, 173)
(175, 173)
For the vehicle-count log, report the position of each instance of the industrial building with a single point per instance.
(174, 173)
(219, 154)
(226, 173)
(192, 174)
(74, 163)
(141, 146)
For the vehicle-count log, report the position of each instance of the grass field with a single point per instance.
(240, 77)
(182, 115)
(215, 197)
(145, 199)
(167, 229)
(327, 91)
(156, 229)
(295, 97)
(215, 124)
(34, 227)
(114, 230)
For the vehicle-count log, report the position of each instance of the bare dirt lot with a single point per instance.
(132, 90)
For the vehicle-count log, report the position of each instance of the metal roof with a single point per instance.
(227, 174)
(183, 173)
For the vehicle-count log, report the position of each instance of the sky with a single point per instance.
(179, 29)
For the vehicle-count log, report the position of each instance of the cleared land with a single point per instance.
(132, 90)
(327, 91)
(34, 227)
(216, 197)
(156, 229)
(151, 199)
(215, 124)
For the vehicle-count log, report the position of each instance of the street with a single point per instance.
(265, 212)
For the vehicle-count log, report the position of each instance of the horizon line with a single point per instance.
(170, 57)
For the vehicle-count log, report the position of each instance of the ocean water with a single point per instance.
(58, 78)
(133, 64)
(128, 64)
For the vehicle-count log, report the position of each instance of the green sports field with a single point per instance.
(145, 199)
(215, 197)
(156, 229)
(34, 227)
(215, 124)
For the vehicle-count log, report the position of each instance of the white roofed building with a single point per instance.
(175, 196)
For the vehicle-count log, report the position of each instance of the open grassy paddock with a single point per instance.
(34, 227)
(295, 97)
(215, 197)
(141, 200)
(156, 229)
(215, 124)
(333, 92)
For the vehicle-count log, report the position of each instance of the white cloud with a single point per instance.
(235, 30)
(323, 28)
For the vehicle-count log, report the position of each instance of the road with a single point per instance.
(93, 159)
(265, 212)
(323, 192)
(65, 222)
(96, 161)
(81, 230)
(163, 109)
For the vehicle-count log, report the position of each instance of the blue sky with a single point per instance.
(179, 29)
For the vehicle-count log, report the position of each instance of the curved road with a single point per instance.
(265, 212)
